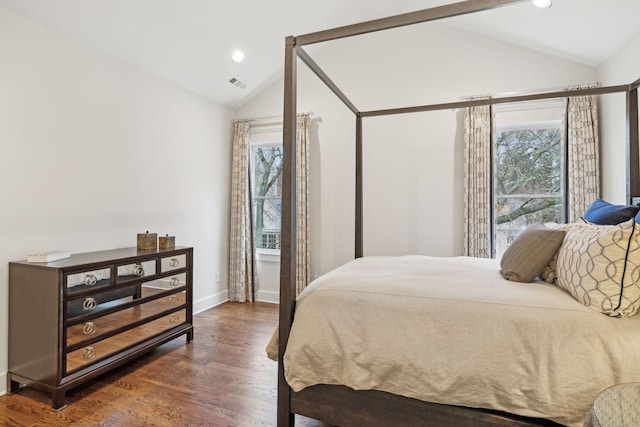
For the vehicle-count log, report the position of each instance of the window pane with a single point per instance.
(267, 188)
(515, 214)
(528, 180)
(268, 171)
(528, 161)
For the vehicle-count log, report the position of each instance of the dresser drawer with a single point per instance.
(99, 301)
(175, 262)
(100, 350)
(87, 280)
(135, 271)
(169, 282)
(95, 328)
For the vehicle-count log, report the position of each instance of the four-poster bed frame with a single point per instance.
(341, 405)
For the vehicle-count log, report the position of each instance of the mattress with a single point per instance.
(453, 331)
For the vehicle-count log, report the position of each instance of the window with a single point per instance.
(528, 178)
(266, 189)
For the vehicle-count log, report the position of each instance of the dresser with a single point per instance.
(74, 319)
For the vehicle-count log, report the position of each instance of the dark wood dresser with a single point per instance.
(74, 319)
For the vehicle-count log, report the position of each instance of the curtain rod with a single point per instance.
(530, 92)
(260, 119)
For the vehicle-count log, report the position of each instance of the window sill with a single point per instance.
(268, 255)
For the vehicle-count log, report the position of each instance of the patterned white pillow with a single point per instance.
(600, 266)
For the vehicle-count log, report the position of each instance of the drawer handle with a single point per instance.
(174, 281)
(89, 304)
(138, 270)
(174, 300)
(174, 318)
(90, 280)
(89, 352)
(89, 328)
(174, 262)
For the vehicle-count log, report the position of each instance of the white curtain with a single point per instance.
(242, 267)
(303, 269)
(477, 181)
(584, 158)
(243, 278)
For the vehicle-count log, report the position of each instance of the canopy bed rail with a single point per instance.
(421, 16)
(499, 100)
(633, 146)
(339, 404)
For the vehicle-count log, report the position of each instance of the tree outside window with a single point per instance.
(266, 180)
(529, 170)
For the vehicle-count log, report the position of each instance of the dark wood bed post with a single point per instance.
(288, 233)
(633, 144)
(359, 243)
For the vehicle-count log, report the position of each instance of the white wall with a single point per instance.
(413, 163)
(95, 151)
(621, 68)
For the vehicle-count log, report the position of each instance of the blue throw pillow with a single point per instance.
(604, 213)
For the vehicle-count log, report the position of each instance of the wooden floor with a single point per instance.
(222, 378)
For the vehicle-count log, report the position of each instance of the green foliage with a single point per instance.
(528, 162)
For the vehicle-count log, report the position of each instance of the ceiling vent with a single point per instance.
(237, 83)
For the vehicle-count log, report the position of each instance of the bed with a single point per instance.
(353, 396)
(389, 323)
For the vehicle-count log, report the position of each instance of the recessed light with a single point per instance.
(542, 4)
(237, 56)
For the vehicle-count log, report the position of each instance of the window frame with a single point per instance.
(527, 125)
(267, 253)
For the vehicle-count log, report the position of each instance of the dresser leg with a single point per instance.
(59, 400)
(190, 336)
(14, 386)
(138, 293)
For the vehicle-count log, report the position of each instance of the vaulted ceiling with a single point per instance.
(190, 42)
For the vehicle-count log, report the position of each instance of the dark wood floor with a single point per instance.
(222, 378)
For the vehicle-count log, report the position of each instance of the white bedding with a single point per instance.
(453, 331)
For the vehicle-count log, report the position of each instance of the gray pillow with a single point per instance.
(530, 252)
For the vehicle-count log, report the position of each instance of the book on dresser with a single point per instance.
(73, 319)
(48, 256)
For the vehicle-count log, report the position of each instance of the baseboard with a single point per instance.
(3, 383)
(210, 302)
(269, 296)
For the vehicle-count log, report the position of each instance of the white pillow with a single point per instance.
(599, 265)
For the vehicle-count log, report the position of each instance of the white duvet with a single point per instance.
(453, 331)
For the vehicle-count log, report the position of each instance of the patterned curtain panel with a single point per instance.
(303, 262)
(584, 158)
(242, 277)
(477, 181)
